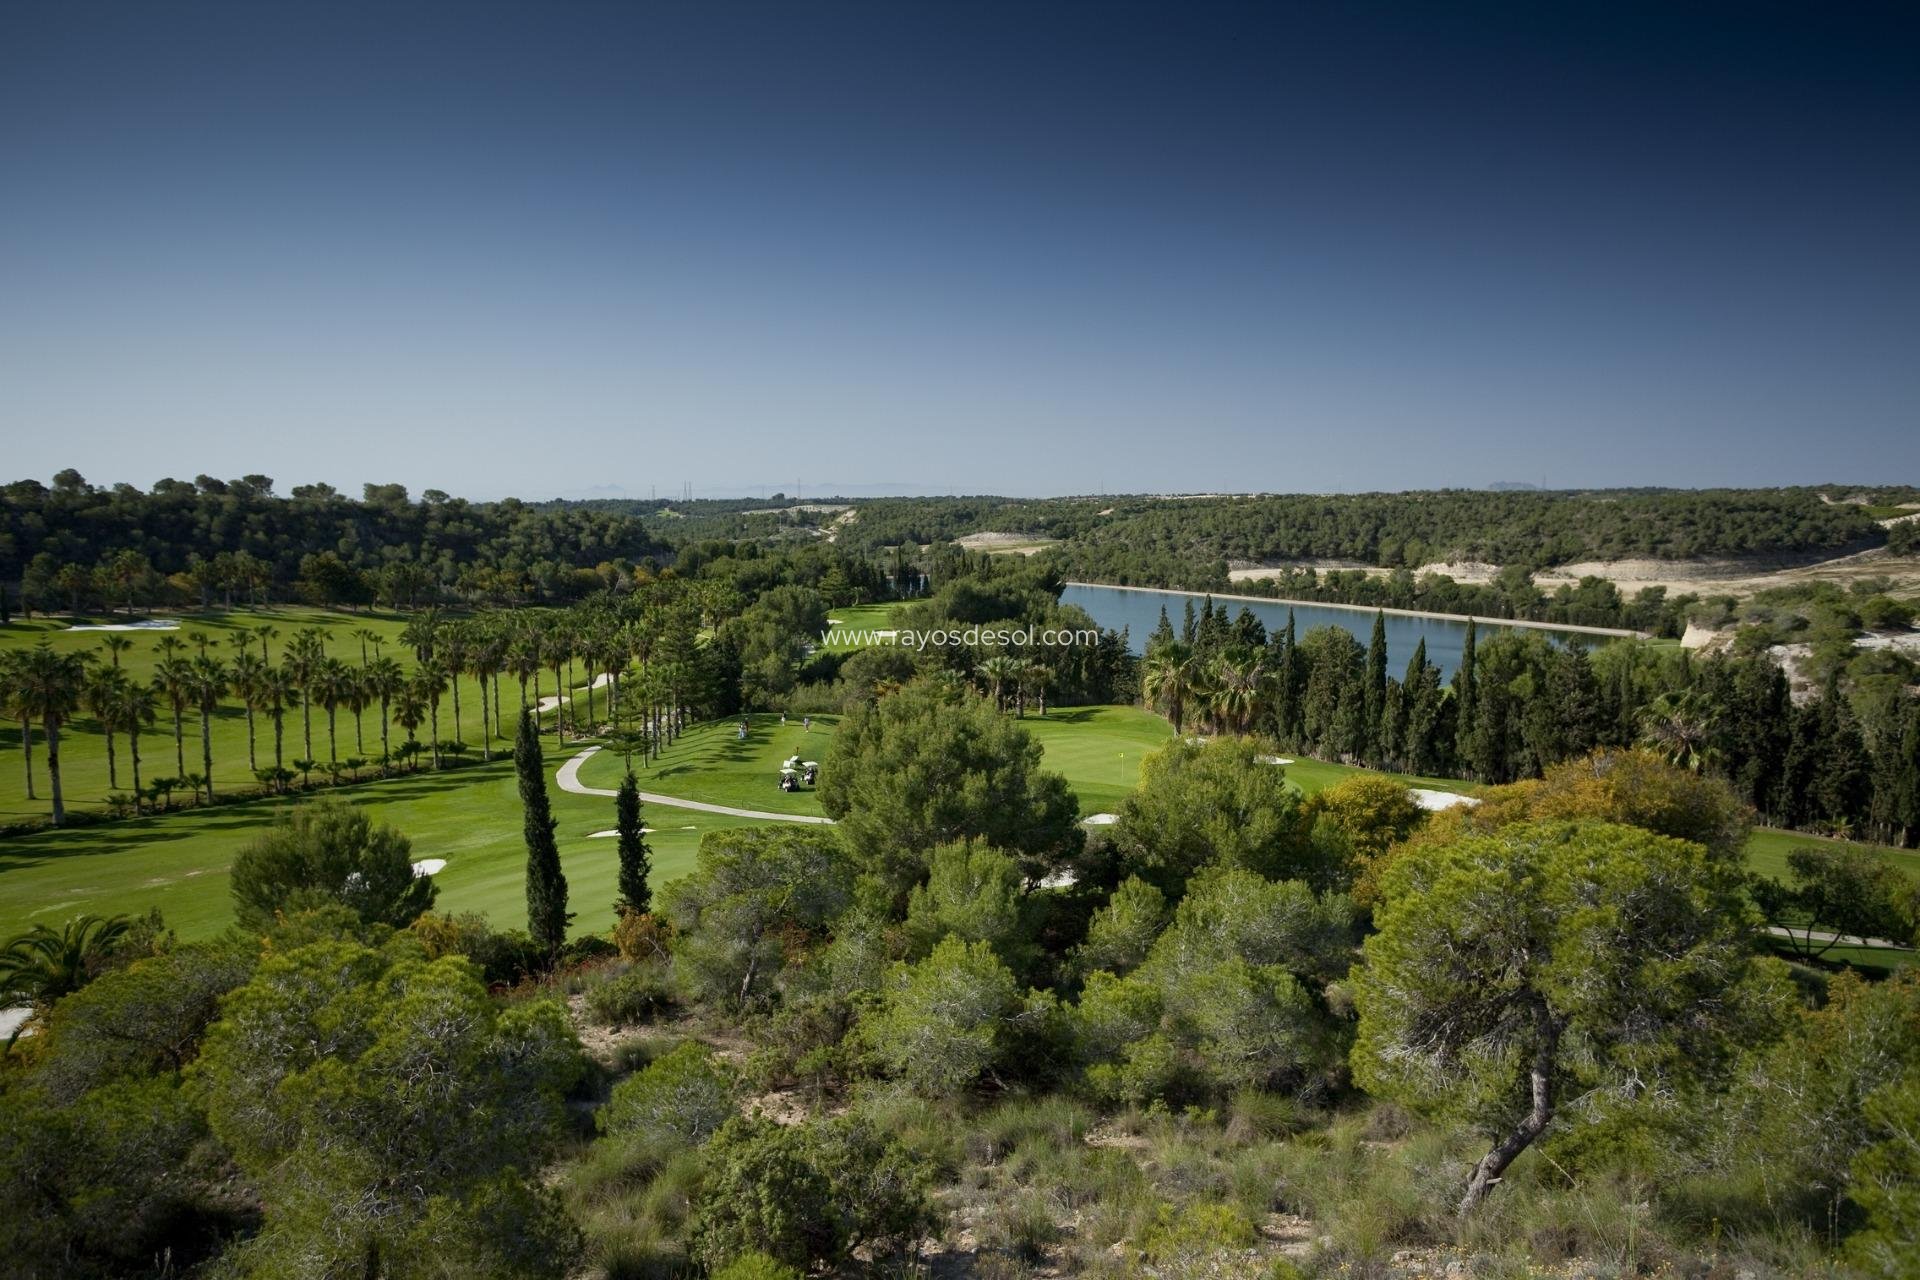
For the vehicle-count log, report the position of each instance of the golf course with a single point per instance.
(469, 816)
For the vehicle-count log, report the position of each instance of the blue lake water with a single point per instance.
(1138, 610)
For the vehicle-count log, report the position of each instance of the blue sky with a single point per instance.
(543, 248)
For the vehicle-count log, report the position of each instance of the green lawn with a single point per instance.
(83, 750)
(710, 763)
(1767, 850)
(469, 816)
(868, 617)
(1099, 749)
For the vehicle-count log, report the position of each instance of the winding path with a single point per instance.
(568, 777)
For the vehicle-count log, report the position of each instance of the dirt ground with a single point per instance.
(1740, 578)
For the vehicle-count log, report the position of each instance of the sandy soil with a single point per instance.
(1705, 577)
(152, 624)
(1739, 577)
(1024, 544)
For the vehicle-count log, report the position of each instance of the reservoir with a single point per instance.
(1137, 609)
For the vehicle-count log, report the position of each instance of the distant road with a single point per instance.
(568, 777)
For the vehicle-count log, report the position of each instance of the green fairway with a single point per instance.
(1099, 749)
(470, 817)
(1768, 847)
(858, 617)
(711, 764)
(83, 748)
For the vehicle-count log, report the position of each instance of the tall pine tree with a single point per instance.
(1466, 695)
(547, 914)
(636, 860)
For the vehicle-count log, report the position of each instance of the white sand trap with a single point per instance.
(1100, 820)
(1435, 801)
(12, 1019)
(1273, 760)
(430, 867)
(603, 835)
(151, 624)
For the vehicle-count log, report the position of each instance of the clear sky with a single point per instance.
(1039, 247)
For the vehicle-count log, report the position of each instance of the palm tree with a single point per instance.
(483, 663)
(356, 702)
(523, 660)
(105, 685)
(592, 645)
(115, 646)
(305, 654)
(49, 686)
(207, 685)
(248, 671)
(1683, 727)
(44, 964)
(409, 712)
(999, 671)
(272, 692)
(367, 636)
(1239, 689)
(10, 701)
(332, 684)
(456, 642)
(422, 632)
(132, 710)
(1035, 676)
(265, 634)
(430, 680)
(1166, 678)
(172, 679)
(559, 651)
(384, 679)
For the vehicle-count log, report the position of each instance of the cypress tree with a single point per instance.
(636, 860)
(1248, 630)
(1466, 692)
(1842, 774)
(1188, 624)
(1375, 690)
(1162, 634)
(1292, 683)
(547, 914)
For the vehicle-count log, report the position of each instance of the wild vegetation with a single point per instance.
(1275, 1018)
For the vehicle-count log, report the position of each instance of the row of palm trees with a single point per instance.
(1226, 692)
(46, 689)
(1011, 680)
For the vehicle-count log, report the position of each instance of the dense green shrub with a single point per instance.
(807, 1194)
(680, 1098)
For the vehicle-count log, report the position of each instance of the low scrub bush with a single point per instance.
(625, 995)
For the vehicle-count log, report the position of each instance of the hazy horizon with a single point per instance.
(498, 248)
